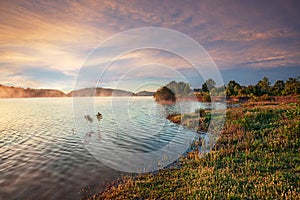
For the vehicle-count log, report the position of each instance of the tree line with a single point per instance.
(262, 88)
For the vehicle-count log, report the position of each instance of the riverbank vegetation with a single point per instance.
(163, 95)
(233, 91)
(256, 157)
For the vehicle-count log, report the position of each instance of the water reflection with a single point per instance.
(42, 157)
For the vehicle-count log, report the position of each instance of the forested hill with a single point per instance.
(17, 92)
(100, 92)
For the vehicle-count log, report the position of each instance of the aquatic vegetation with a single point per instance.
(256, 157)
(198, 121)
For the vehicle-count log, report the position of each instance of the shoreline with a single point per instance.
(238, 141)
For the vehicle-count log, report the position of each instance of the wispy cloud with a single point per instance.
(264, 60)
(58, 35)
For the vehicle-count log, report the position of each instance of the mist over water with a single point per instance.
(43, 157)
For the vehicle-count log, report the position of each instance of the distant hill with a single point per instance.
(145, 93)
(100, 92)
(17, 92)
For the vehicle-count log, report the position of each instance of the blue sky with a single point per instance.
(43, 44)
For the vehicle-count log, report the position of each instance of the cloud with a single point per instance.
(229, 32)
(19, 81)
(264, 60)
(58, 35)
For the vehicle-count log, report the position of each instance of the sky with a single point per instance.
(45, 44)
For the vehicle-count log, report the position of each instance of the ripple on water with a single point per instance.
(43, 157)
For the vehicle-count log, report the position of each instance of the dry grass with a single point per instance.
(257, 157)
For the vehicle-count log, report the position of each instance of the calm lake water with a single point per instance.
(47, 150)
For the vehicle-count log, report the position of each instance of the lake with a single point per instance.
(49, 150)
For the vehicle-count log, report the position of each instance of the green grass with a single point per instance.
(256, 157)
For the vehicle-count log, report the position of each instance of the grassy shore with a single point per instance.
(256, 157)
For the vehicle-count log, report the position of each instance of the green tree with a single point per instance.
(278, 88)
(208, 85)
(180, 89)
(262, 87)
(164, 94)
(247, 90)
(292, 86)
(233, 88)
(204, 87)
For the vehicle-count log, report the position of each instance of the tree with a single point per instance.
(187, 90)
(204, 87)
(164, 94)
(292, 86)
(233, 88)
(247, 90)
(262, 87)
(180, 89)
(221, 91)
(278, 88)
(208, 85)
